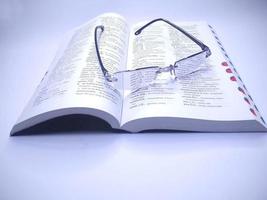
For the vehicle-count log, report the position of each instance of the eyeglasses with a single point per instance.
(147, 76)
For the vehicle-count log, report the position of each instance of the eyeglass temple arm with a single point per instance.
(104, 70)
(199, 43)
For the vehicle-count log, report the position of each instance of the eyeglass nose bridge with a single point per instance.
(170, 69)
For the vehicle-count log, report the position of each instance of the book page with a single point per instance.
(75, 78)
(208, 94)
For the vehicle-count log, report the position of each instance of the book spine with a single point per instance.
(234, 76)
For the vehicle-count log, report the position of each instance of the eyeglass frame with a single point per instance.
(171, 68)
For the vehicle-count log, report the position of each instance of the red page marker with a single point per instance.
(233, 78)
(246, 99)
(241, 90)
(225, 64)
(228, 70)
(253, 112)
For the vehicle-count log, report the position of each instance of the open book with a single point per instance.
(211, 100)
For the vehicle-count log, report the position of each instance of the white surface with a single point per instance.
(87, 165)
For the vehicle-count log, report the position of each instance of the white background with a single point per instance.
(93, 165)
